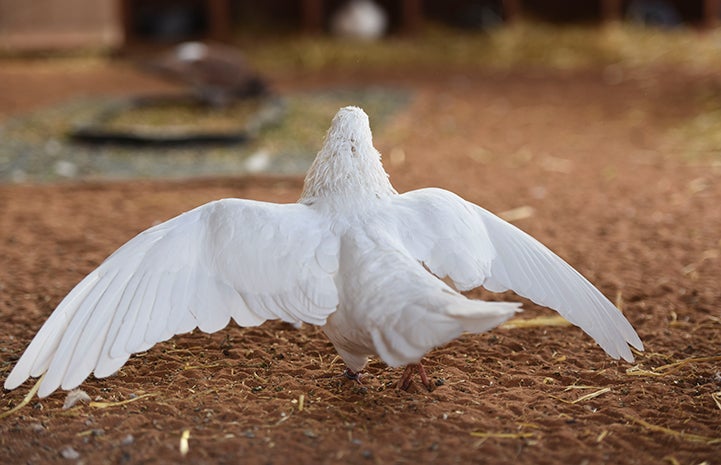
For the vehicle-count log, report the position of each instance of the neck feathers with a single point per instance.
(348, 168)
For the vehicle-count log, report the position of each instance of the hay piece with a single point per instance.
(539, 321)
(121, 402)
(487, 435)
(580, 386)
(519, 213)
(184, 448)
(677, 434)
(283, 418)
(592, 395)
(529, 425)
(301, 398)
(589, 396)
(188, 366)
(716, 396)
(649, 354)
(675, 366)
(25, 400)
(636, 370)
(670, 368)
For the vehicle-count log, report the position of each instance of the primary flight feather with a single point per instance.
(352, 256)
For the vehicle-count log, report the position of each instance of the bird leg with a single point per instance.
(406, 378)
(352, 375)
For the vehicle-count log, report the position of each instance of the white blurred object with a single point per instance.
(258, 161)
(75, 396)
(191, 51)
(360, 19)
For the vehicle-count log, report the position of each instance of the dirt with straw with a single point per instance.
(589, 163)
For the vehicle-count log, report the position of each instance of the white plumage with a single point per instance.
(352, 256)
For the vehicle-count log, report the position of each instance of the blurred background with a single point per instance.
(118, 24)
(128, 88)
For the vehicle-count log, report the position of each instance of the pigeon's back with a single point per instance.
(392, 307)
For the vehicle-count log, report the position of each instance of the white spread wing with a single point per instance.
(473, 247)
(241, 259)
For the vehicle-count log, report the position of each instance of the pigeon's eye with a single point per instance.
(352, 148)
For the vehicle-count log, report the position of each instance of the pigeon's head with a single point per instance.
(347, 165)
(350, 129)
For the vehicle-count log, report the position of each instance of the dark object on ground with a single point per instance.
(260, 113)
(218, 74)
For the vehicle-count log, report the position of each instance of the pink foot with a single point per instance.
(406, 378)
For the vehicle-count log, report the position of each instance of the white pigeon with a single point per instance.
(352, 256)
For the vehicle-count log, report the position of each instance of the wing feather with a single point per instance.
(67, 346)
(473, 247)
(37, 356)
(240, 259)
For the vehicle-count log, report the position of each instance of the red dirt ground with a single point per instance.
(609, 194)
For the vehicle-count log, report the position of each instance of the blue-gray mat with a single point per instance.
(36, 147)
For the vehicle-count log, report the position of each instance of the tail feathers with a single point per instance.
(419, 328)
(477, 316)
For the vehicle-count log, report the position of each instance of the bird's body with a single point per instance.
(352, 255)
(348, 184)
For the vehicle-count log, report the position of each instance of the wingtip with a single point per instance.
(628, 357)
(46, 388)
(9, 386)
(636, 343)
(15, 379)
(626, 350)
